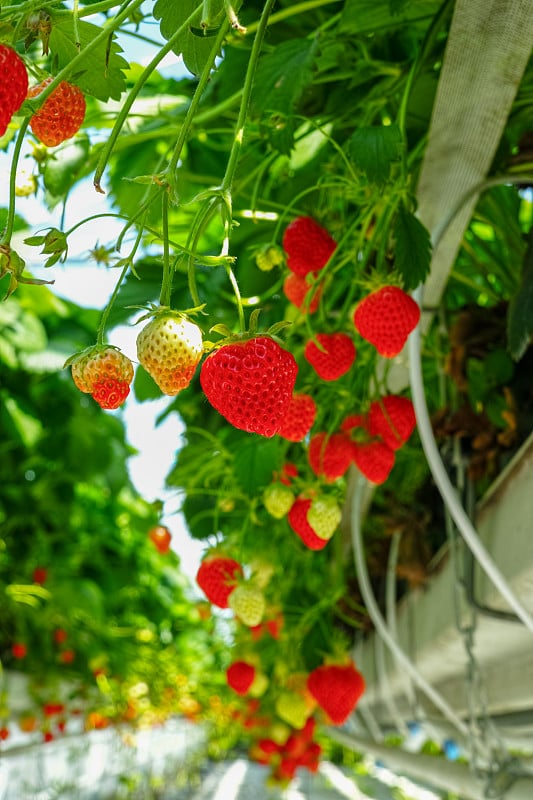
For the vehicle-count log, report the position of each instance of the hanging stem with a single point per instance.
(103, 321)
(166, 286)
(8, 232)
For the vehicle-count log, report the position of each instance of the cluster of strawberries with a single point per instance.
(60, 116)
(279, 716)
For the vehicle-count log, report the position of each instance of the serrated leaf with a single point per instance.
(255, 461)
(520, 314)
(101, 73)
(281, 78)
(374, 148)
(412, 251)
(194, 49)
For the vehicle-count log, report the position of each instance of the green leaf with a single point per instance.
(26, 428)
(372, 16)
(255, 461)
(101, 73)
(412, 249)
(520, 314)
(144, 386)
(63, 169)
(374, 148)
(281, 78)
(194, 49)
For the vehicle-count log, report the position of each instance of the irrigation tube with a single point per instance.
(381, 625)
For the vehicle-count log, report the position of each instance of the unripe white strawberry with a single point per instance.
(324, 516)
(170, 347)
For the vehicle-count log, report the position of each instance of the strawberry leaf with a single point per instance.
(255, 461)
(374, 148)
(194, 48)
(412, 249)
(520, 315)
(371, 16)
(281, 78)
(101, 73)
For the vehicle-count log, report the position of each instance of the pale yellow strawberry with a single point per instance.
(292, 708)
(262, 572)
(248, 603)
(278, 500)
(170, 347)
(324, 516)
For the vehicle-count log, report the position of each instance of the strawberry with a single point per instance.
(393, 418)
(13, 85)
(299, 419)
(301, 294)
(170, 347)
(277, 500)
(308, 246)
(385, 318)
(268, 257)
(19, 650)
(288, 472)
(60, 635)
(297, 519)
(332, 357)
(240, 676)
(330, 455)
(250, 383)
(4, 733)
(324, 516)
(67, 656)
(374, 459)
(336, 688)
(103, 372)
(216, 577)
(292, 708)
(40, 575)
(248, 604)
(160, 537)
(60, 116)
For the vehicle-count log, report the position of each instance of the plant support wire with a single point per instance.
(379, 622)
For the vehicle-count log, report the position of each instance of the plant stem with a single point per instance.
(8, 231)
(103, 321)
(134, 91)
(166, 286)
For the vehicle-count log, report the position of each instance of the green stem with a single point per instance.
(235, 152)
(8, 232)
(103, 321)
(166, 286)
(124, 111)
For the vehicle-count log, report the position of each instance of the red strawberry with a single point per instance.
(4, 733)
(353, 421)
(330, 455)
(385, 318)
(240, 675)
(60, 116)
(160, 537)
(217, 578)
(67, 656)
(301, 294)
(19, 650)
(40, 575)
(13, 85)
(170, 347)
(374, 459)
(103, 372)
(297, 519)
(393, 418)
(288, 472)
(332, 357)
(299, 418)
(336, 688)
(60, 635)
(308, 246)
(250, 383)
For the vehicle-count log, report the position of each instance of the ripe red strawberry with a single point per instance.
(301, 294)
(60, 116)
(60, 635)
(4, 733)
(332, 357)
(297, 519)
(240, 676)
(170, 347)
(385, 318)
(374, 459)
(103, 372)
(250, 383)
(308, 245)
(299, 419)
(217, 577)
(353, 421)
(40, 575)
(13, 85)
(330, 455)
(160, 537)
(336, 688)
(67, 656)
(19, 650)
(393, 418)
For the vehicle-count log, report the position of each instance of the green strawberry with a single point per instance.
(278, 500)
(324, 516)
(248, 604)
(293, 709)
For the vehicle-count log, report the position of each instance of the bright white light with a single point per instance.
(229, 786)
(340, 782)
(250, 214)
